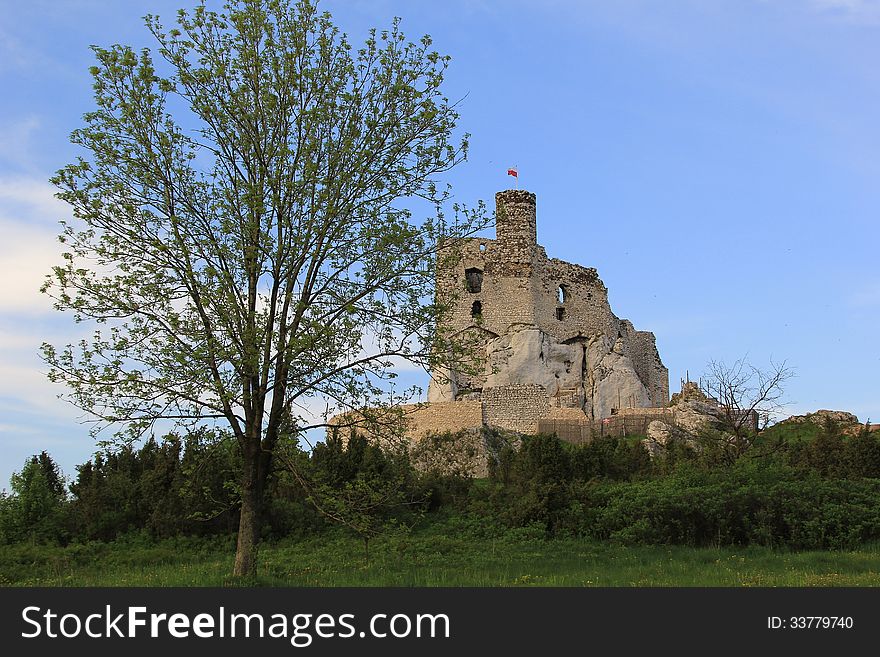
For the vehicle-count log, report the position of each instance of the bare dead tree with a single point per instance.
(749, 397)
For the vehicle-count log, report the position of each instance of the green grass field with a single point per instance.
(433, 556)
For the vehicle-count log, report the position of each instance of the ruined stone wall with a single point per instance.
(642, 348)
(542, 321)
(423, 419)
(516, 225)
(516, 407)
(504, 293)
(584, 311)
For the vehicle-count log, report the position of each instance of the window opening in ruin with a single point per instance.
(562, 293)
(482, 246)
(477, 310)
(560, 314)
(474, 279)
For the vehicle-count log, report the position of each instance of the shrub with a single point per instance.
(775, 506)
(36, 509)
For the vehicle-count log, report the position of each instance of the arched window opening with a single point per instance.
(562, 294)
(477, 310)
(474, 278)
(560, 314)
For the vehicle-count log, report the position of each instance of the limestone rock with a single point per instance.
(462, 454)
(611, 379)
(662, 433)
(820, 417)
(442, 386)
(597, 373)
(525, 354)
(689, 391)
(695, 416)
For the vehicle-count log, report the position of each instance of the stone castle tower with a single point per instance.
(552, 346)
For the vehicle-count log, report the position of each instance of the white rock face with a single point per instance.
(694, 416)
(661, 433)
(611, 380)
(442, 386)
(531, 356)
(595, 375)
(820, 417)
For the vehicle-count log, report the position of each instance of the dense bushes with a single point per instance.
(815, 494)
(36, 509)
(818, 490)
(178, 485)
(832, 453)
(773, 506)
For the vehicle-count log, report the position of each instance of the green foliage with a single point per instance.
(611, 458)
(245, 235)
(168, 487)
(454, 550)
(774, 506)
(536, 484)
(788, 432)
(35, 511)
(862, 454)
(369, 490)
(805, 494)
(829, 450)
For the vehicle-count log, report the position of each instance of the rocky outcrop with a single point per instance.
(823, 416)
(525, 354)
(611, 379)
(662, 434)
(596, 375)
(694, 414)
(689, 391)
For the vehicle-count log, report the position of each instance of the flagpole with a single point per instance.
(514, 171)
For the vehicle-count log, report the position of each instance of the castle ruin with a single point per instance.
(546, 353)
(550, 348)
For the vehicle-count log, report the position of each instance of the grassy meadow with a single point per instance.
(800, 508)
(433, 556)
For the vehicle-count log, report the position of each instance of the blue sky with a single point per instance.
(718, 161)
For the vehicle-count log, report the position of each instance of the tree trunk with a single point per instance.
(249, 518)
(248, 534)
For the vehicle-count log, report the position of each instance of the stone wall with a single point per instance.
(516, 407)
(535, 320)
(516, 225)
(440, 417)
(584, 311)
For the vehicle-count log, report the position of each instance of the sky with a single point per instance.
(717, 161)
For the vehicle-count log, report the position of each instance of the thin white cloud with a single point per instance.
(30, 199)
(13, 54)
(15, 138)
(862, 12)
(28, 222)
(865, 295)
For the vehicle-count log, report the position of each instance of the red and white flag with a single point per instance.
(512, 172)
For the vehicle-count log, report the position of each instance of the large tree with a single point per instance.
(244, 231)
